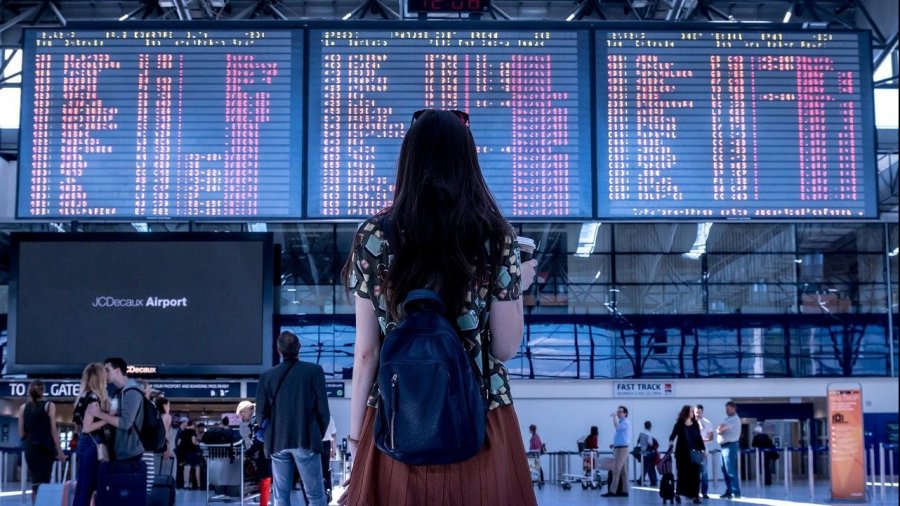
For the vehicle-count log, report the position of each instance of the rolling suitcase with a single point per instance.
(56, 494)
(667, 488)
(163, 491)
(120, 483)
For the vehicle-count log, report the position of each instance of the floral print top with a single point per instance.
(371, 259)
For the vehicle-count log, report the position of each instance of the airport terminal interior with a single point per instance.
(709, 188)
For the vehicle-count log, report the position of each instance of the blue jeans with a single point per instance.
(309, 464)
(88, 467)
(730, 453)
(704, 477)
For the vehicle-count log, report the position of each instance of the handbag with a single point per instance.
(102, 450)
(697, 457)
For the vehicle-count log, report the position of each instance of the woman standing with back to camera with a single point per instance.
(444, 231)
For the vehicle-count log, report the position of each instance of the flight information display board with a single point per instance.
(705, 124)
(163, 123)
(527, 93)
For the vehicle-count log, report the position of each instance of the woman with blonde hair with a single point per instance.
(93, 390)
(37, 426)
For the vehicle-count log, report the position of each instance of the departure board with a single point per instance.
(527, 93)
(735, 124)
(161, 123)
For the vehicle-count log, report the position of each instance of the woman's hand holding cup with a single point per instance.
(529, 264)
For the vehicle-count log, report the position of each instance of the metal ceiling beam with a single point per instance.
(181, 10)
(374, 7)
(889, 47)
(15, 20)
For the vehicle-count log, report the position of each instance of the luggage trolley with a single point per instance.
(224, 472)
(591, 477)
(534, 467)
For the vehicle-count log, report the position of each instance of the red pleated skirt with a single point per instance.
(497, 476)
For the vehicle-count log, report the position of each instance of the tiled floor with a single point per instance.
(553, 495)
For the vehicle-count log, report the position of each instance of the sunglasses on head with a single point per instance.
(462, 115)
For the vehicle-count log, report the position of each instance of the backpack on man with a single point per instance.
(149, 425)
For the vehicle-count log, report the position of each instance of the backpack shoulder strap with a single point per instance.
(281, 381)
(139, 416)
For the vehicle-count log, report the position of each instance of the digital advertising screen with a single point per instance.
(760, 124)
(161, 123)
(527, 93)
(173, 303)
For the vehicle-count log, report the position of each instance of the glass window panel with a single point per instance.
(589, 299)
(327, 344)
(756, 298)
(660, 299)
(309, 299)
(842, 350)
(308, 255)
(589, 270)
(657, 269)
(563, 237)
(873, 298)
(771, 268)
(840, 237)
(750, 238)
(655, 237)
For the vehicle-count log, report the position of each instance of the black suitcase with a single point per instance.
(667, 488)
(120, 483)
(163, 491)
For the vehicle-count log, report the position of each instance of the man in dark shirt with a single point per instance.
(291, 396)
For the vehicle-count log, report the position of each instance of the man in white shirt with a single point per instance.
(729, 436)
(707, 432)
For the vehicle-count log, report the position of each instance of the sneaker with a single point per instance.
(608, 494)
(705, 496)
(737, 496)
(725, 496)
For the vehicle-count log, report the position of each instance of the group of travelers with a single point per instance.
(692, 439)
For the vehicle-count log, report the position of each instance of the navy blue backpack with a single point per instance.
(432, 408)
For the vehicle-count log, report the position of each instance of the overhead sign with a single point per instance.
(212, 390)
(847, 448)
(58, 388)
(644, 389)
(171, 390)
(332, 388)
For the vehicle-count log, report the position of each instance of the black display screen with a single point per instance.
(735, 124)
(161, 123)
(526, 91)
(183, 303)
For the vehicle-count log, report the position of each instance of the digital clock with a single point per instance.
(447, 5)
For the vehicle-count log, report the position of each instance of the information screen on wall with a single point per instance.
(735, 124)
(161, 123)
(188, 304)
(526, 91)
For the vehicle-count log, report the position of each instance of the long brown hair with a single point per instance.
(442, 216)
(36, 391)
(685, 414)
(93, 380)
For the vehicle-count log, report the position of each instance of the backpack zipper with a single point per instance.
(393, 407)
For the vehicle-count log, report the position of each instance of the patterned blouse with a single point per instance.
(371, 258)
